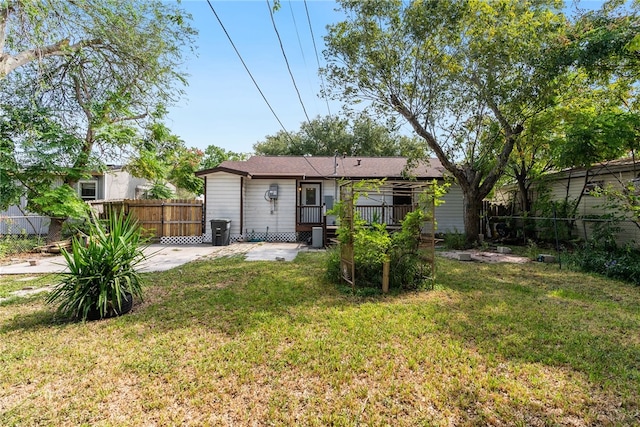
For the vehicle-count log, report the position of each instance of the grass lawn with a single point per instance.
(228, 342)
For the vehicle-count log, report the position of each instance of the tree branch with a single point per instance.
(422, 132)
(9, 63)
(4, 15)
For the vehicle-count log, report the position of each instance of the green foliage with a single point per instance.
(620, 263)
(467, 76)
(159, 191)
(182, 175)
(326, 136)
(214, 155)
(602, 254)
(59, 202)
(101, 273)
(162, 155)
(14, 244)
(548, 209)
(100, 74)
(622, 201)
(455, 240)
(373, 244)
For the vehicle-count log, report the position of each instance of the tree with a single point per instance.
(101, 73)
(214, 155)
(454, 70)
(325, 136)
(596, 117)
(163, 157)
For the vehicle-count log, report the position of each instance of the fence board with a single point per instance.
(163, 218)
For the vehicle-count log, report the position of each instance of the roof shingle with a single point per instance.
(324, 167)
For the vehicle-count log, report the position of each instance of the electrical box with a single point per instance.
(328, 202)
(273, 191)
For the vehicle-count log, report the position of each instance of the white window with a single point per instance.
(88, 190)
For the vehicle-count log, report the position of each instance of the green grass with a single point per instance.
(231, 342)
(12, 283)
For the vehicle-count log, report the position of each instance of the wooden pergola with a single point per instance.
(423, 196)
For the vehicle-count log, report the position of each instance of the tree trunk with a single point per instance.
(55, 230)
(472, 207)
(525, 202)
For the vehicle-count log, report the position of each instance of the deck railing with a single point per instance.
(388, 214)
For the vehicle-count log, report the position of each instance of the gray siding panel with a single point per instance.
(450, 214)
(223, 201)
(260, 211)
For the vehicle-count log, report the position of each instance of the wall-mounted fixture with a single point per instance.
(273, 191)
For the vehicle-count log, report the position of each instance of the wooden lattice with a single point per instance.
(423, 196)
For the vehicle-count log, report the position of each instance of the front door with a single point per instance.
(310, 208)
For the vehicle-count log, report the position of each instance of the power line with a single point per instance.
(256, 83)
(247, 68)
(295, 25)
(315, 48)
(287, 61)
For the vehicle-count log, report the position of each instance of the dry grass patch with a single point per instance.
(229, 342)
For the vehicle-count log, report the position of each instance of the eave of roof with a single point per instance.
(324, 167)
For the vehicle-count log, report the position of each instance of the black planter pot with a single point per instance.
(125, 307)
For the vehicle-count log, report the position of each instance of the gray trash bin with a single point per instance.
(220, 231)
(317, 237)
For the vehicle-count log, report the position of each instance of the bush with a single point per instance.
(622, 263)
(455, 240)
(374, 245)
(102, 278)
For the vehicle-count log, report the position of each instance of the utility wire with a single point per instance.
(315, 48)
(256, 83)
(247, 69)
(275, 28)
(295, 25)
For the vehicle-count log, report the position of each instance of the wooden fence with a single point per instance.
(161, 218)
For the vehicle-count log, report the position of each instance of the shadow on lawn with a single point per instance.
(232, 295)
(540, 314)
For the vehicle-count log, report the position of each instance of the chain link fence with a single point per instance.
(521, 229)
(22, 233)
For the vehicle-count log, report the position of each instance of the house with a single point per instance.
(577, 185)
(113, 184)
(282, 198)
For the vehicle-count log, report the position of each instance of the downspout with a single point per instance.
(335, 177)
(204, 210)
(241, 204)
(104, 186)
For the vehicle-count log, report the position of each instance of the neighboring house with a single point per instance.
(282, 198)
(114, 184)
(577, 184)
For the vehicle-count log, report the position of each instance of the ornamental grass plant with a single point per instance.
(102, 277)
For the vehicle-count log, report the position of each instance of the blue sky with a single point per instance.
(222, 106)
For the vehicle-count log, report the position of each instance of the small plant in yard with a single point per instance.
(455, 240)
(102, 279)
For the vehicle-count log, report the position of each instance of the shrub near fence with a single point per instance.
(520, 229)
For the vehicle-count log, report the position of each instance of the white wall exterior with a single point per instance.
(591, 205)
(261, 212)
(450, 214)
(222, 201)
(119, 184)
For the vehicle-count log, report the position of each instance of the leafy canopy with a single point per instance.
(76, 91)
(325, 136)
(466, 75)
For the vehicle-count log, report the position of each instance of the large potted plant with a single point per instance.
(102, 279)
